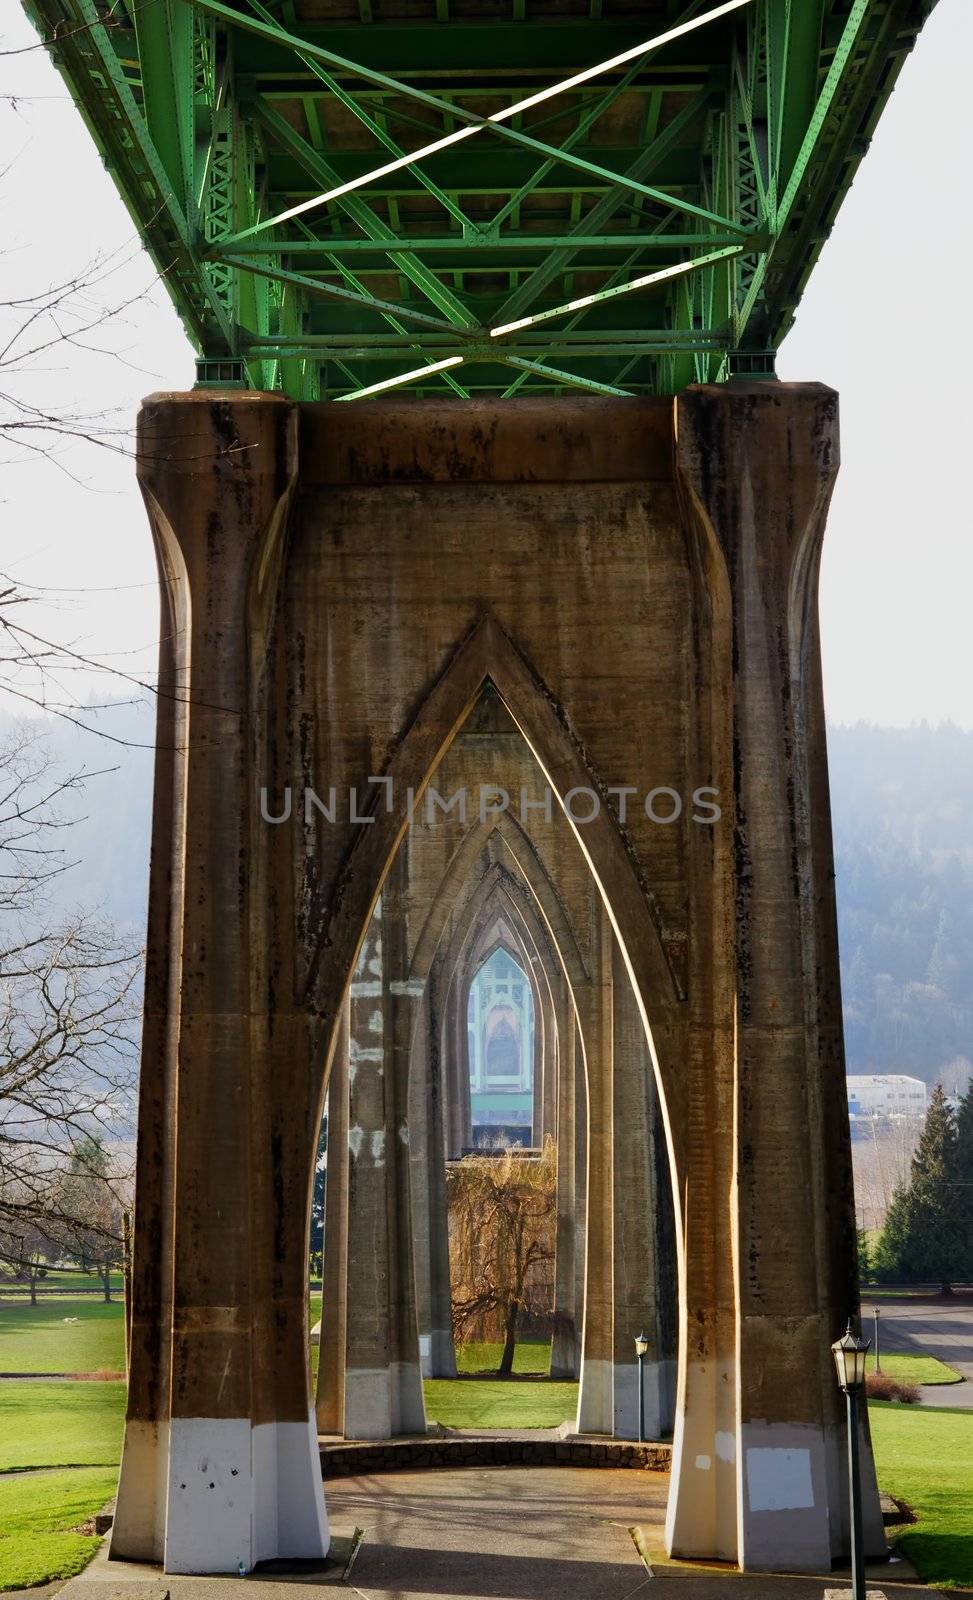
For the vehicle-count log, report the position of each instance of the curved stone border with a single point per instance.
(351, 1457)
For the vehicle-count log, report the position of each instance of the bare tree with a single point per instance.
(68, 1022)
(501, 1242)
(90, 1202)
(24, 1254)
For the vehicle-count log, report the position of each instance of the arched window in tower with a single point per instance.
(501, 1026)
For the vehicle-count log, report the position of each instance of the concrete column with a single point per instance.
(419, 1167)
(757, 464)
(220, 1465)
(330, 1402)
(383, 1383)
(564, 1345)
(638, 1287)
(441, 1354)
(456, 1067)
(595, 1404)
(550, 1060)
(580, 1251)
(539, 1050)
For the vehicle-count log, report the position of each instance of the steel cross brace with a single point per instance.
(473, 122)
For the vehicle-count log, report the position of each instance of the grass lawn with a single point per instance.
(925, 1457)
(60, 1424)
(38, 1512)
(530, 1355)
(478, 1403)
(909, 1368)
(38, 1339)
(71, 1282)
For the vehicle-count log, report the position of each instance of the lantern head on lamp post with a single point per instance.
(641, 1350)
(849, 1358)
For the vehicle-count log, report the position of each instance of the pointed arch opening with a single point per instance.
(479, 863)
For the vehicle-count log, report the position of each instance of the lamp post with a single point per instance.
(878, 1353)
(849, 1359)
(641, 1349)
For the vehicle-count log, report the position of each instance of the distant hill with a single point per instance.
(902, 801)
(108, 845)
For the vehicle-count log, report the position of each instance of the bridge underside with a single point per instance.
(619, 596)
(487, 204)
(482, 196)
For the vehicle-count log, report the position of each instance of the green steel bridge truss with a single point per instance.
(481, 196)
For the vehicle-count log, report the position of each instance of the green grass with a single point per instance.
(69, 1282)
(478, 1403)
(925, 1457)
(60, 1424)
(38, 1339)
(918, 1368)
(37, 1515)
(530, 1355)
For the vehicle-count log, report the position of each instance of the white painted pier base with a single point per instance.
(381, 1402)
(225, 1494)
(658, 1384)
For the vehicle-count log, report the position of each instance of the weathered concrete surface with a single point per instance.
(637, 582)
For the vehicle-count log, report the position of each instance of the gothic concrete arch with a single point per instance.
(327, 644)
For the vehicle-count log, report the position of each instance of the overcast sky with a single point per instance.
(885, 321)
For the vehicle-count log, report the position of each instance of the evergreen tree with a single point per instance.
(920, 1241)
(887, 1261)
(963, 1185)
(864, 1257)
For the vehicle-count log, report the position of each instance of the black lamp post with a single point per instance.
(849, 1359)
(641, 1349)
(878, 1353)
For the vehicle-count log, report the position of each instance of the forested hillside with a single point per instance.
(902, 801)
(903, 816)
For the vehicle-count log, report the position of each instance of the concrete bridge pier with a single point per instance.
(565, 1342)
(383, 1383)
(644, 1277)
(220, 1464)
(683, 542)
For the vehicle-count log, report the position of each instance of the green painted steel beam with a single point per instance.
(570, 380)
(361, 213)
(164, 31)
(337, 291)
(468, 244)
(471, 51)
(377, 347)
(365, 117)
(602, 212)
(725, 155)
(819, 116)
(85, 54)
(473, 168)
(473, 121)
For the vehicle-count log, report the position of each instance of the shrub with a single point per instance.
(879, 1386)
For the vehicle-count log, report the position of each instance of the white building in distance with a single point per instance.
(883, 1094)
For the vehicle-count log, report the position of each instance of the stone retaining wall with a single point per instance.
(347, 1459)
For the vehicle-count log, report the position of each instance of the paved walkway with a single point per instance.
(501, 1533)
(553, 1533)
(940, 1326)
